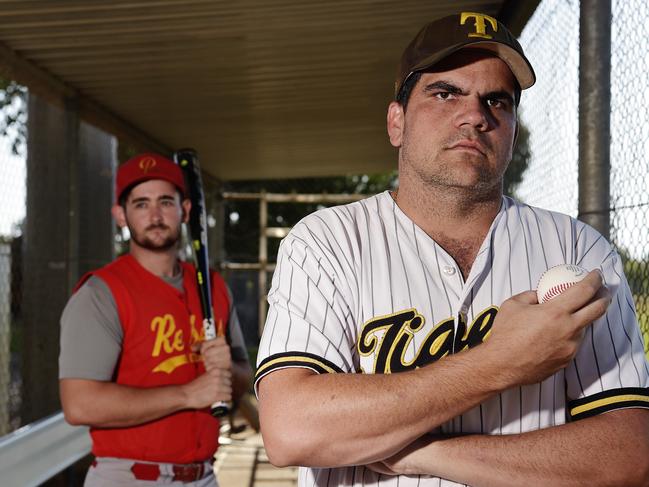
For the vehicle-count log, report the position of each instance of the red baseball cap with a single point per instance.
(144, 167)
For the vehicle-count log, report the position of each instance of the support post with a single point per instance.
(595, 114)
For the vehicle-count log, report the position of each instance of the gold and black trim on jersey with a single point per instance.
(626, 397)
(296, 359)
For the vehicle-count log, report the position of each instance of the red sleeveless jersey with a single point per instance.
(160, 324)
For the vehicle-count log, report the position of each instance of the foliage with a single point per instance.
(13, 123)
(637, 273)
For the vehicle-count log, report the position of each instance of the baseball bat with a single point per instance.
(187, 159)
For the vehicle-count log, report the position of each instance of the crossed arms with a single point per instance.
(383, 420)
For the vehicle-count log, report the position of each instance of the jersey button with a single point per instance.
(448, 270)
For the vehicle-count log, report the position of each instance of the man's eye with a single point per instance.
(167, 203)
(444, 95)
(495, 103)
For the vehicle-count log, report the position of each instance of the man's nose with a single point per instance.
(473, 113)
(156, 213)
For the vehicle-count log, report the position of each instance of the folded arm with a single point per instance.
(351, 419)
(609, 449)
(347, 419)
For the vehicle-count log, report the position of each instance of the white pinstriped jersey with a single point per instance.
(360, 288)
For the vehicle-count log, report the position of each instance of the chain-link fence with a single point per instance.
(550, 111)
(12, 213)
(550, 108)
(629, 147)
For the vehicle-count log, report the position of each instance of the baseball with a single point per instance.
(557, 279)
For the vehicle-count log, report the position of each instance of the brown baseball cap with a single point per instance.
(442, 37)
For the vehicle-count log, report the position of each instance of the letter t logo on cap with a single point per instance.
(480, 25)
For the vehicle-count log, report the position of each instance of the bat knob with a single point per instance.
(219, 410)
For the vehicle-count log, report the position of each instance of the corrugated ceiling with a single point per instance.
(261, 88)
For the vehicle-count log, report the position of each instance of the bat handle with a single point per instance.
(220, 409)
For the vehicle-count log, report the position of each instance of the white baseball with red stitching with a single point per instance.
(557, 279)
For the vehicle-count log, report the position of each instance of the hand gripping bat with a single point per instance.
(187, 159)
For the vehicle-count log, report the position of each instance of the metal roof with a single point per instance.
(261, 88)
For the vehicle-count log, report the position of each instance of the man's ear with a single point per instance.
(187, 206)
(395, 123)
(119, 215)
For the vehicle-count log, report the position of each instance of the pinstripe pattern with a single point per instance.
(342, 269)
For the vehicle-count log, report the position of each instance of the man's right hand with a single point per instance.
(535, 340)
(213, 386)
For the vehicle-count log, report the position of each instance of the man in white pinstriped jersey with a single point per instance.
(404, 346)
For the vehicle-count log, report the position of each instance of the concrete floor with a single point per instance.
(241, 461)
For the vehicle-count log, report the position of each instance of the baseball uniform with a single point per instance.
(147, 324)
(360, 288)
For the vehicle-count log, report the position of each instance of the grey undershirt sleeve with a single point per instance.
(237, 345)
(91, 334)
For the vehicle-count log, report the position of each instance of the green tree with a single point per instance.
(13, 123)
(637, 273)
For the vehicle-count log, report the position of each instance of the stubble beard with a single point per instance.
(437, 171)
(168, 243)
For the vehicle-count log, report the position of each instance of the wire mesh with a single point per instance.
(12, 213)
(550, 111)
(629, 148)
